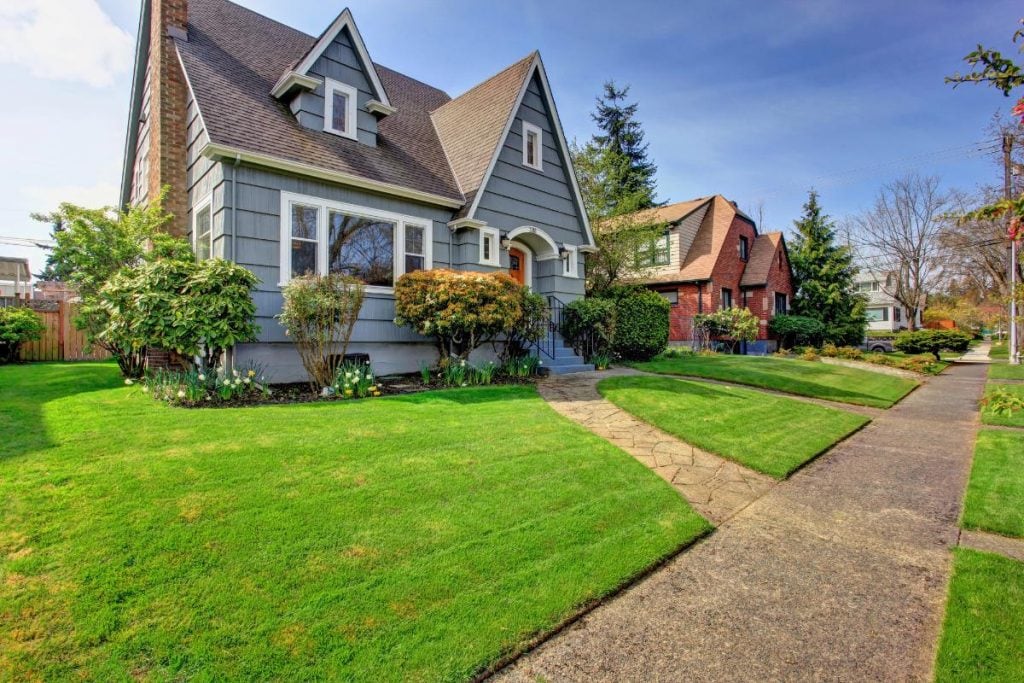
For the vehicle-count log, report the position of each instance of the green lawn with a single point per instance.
(983, 634)
(1015, 419)
(995, 495)
(771, 434)
(416, 537)
(999, 349)
(1005, 371)
(806, 378)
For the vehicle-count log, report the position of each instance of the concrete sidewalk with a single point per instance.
(839, 573)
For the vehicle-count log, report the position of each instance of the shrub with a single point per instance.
(932, 341)
(601, 361)
(197, 309)
(641, 323)
(809, 354)
(1002, 402)
(520, 368)
(850, 353)
(829, 350)
(588, 325)
(796, 330)
(17, 325)
(319, 314)
(733, 324)
(528, 327)
(463, 310)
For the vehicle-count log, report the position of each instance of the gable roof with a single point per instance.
(232, 59)
(342, 22)
(707, 244)
(762, 256)
(471, 125)
(670, 213)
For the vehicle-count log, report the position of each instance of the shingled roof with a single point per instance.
(762, 255)
(233, 57)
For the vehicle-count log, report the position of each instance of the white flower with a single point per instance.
(367, 362)
(145, 390)
(181, 394)
(246, 380)
(540, 362)
(237, 382)
(235, 373)
(227, 381)
(202, 377)
(207, 397)
(464, 384)
(129, 381)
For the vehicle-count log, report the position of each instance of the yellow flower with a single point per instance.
(252, 373)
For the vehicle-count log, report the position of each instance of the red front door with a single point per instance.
(517, 265)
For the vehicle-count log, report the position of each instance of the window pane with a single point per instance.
(303, 258)
(361, 247)
(414, 240)
(304, 221)
(531, 148)
(487, 247)
(413, 263)
(339, 111)
(203, 234)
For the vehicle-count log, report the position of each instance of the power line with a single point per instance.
(26, 242)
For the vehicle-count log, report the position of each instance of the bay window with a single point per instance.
(376, 247)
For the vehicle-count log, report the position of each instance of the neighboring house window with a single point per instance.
(489, 247)
(533, 146)
(873, 286)
(877, 315)
(340, 108)
(671, 297)
(655, 253)
(780, 303)
(570, 262)
(376, 247)
(744, 248)
(897, 314)
(726, 298)
(202, 230)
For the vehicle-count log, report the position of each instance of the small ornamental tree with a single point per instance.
(796, 330)
(17, 325)
(641, 323)
(733, 324)
(932, 341)
(589, 326)
(319, 314)
(460, 310)
(528, 327)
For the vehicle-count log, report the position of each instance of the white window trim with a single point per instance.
(351, 109)
(324, 207)
(570, 264)
(491, 234)
(204, 203)
(530, 128)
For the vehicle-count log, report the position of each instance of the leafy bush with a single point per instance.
(588, 325)
(796, 330)
(641, 323)
(932, 341)
(601, 361)
(463, 310)
(732, 324)
(319, 313)
(17, 325)
(809, 354)
(197, 309)
(528, 327)
(850, 353)
(1002, 402)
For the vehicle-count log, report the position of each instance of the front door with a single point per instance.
(517, 265)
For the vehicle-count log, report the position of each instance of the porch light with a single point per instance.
(505, 241)
(563, 253)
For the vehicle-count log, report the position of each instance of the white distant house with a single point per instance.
(884, 312)
(15, 278)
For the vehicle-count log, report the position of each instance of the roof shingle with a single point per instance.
(762, 255)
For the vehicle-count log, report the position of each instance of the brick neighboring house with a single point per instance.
(711, 256)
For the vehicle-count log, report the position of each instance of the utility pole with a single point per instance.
(1008, 194)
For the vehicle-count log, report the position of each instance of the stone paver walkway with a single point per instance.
(838, 573)
(715, 487)
(977, 354)
(993, 543)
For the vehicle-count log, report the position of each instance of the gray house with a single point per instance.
(290, 154)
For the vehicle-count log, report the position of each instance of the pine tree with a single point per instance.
(622, 139)
(823, 277)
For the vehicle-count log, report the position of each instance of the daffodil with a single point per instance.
(129, 381)
(202, 377)
(252, 373)
(181, 394)
(145, 390)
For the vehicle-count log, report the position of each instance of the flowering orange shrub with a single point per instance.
(461, 310)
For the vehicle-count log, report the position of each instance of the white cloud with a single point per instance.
(69, 40)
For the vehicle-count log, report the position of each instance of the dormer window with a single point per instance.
(340, 108)
(533, 141)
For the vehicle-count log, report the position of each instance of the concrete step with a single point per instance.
(568, 369)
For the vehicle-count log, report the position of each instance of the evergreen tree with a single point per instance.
(621, 138)
(823, 274)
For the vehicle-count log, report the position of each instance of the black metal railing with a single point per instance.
(549, 338)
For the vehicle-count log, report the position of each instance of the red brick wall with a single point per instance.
(168, 122)
(729, 268)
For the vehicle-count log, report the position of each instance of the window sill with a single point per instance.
(368, 289)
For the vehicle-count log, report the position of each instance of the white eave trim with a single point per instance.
(293, 79)
(378, 107)
(538, 68)
(588, 249)
(460, 223)
(344, 20)
(214, 151)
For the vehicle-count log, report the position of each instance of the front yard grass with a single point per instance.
(805, 378)
(995, 494)
(983, 633)
(1004, 370)
(771, 434)
(411, 537)
(1014, 419)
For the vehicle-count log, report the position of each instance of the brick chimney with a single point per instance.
(168, 98)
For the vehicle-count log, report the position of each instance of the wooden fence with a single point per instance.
(60, 341)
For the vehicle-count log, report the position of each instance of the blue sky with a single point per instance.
(756, 101)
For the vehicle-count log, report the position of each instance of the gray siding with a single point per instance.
(517, 196)
(258, 241)
(204, 178)
(341, 63)
(141, 194)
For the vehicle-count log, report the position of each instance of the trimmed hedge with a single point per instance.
(932, 341)
(641, 323)
(796, 330)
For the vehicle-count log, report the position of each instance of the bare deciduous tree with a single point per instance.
(974, 251)
(901, 237)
